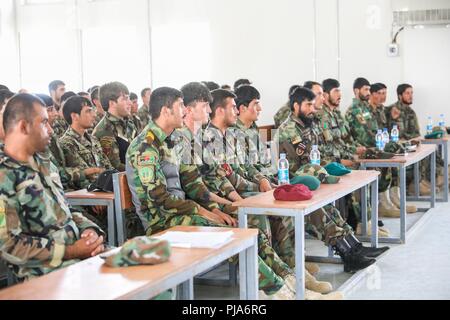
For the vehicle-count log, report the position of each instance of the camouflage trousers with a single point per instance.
(272, 269)
(325, 224)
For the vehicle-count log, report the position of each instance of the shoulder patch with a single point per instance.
(147, 158)
(147, 174)
(150, 137)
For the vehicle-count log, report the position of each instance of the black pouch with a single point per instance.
(104, 182)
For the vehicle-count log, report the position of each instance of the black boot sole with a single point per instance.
(354, 270)
(377, 254)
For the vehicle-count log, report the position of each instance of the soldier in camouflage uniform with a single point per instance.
(364, 129)
(82, 150)
(39, 232)
(115, 132)
(283, 113)
(138, 123)
(296, 138)
(99, 112)
(153, 177)
(144, 110)
(401, 114)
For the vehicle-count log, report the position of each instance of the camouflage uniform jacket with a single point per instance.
(333, 133)
(407, 123)
(379, 114)
(255, 150)
(363, 126)
(144, 114)
(60, 126)
(115, 135)
(188, 148)
(138, 123)
(221, 157)
(250, 151)
(282, 114)
(153, 177)
(36, 222)
(83, 152)
(328, 151)
(296, 140)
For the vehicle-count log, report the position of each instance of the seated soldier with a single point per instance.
(138, 123)
(283, 113)
(296, 138)
(39, 232)
(82, 150)
(115, 131)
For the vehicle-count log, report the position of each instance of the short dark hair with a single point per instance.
(52, 86)
(83, 93)
(402, 88)
(211, 85)
(3, 87)
(375, 88)
(382, 85)
(195, 92)
(94, 93)
(5, 94)
(360, 82)
(292, 89)
(20, 107)
(67, 95)
(133, 96)
(299, 95)
(74, 105)
(330, 84)
(219, 96)
(46, 99)
(225, 86)
(161, 97)
(92, 89)
(311, 84)
(111, 92)
(246, 94)
(240, 82)
(143, 91)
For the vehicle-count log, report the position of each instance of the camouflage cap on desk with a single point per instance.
(140, 250)
(317, 171)
(376, 154)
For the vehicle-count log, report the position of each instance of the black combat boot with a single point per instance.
(352, 258)
(365, 251)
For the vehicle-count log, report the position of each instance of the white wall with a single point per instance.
(275, 44)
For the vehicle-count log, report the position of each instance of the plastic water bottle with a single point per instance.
(430, 126)
(379, 140)
(442, 122)
(283, 170)
(385, 137)
(394, 133)
(314, 156)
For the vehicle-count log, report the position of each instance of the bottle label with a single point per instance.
(395, 138)
(316, 161)
(283, 176)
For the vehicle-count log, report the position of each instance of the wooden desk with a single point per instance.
(265, 204)
(401, 162)
(443, 143)
(92, 279)
(85, 198)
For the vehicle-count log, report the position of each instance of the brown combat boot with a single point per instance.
(385, 207)
(382, 232)
(394, 194)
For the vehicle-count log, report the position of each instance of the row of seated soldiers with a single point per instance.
(345, 138)
(182, 169)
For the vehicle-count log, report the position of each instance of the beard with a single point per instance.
(406, 102)
(363, 98)
(307, 120)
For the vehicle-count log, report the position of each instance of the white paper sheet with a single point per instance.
(197, 239)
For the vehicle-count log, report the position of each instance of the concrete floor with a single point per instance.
(419, 269)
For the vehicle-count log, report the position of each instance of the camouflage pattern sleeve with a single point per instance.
(281, 115)
(74, 163)
(411, 124)
(84, 223)
(358, 118)
(111, 150)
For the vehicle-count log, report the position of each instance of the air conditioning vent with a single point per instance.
(422, 17)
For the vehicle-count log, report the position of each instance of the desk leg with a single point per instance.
(416, 180)
(374, 218)
(299, 230)
(185, 290)
(445, 149)
(364, 211)
(402, 170)
(251, 272)
(433, 179)
(111, 225)
(243, 291)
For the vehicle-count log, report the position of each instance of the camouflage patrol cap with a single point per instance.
(317, 171)
(394, 147)
(140, 250)
(377, 154)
